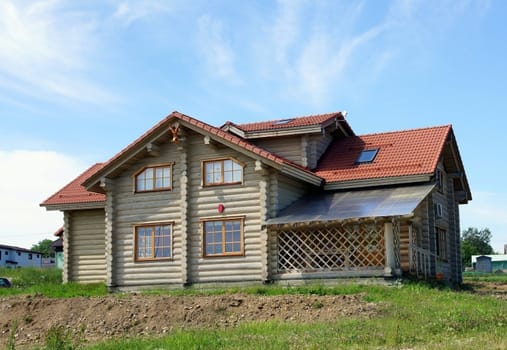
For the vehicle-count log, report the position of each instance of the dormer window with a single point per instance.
(222, 172)
(367, 156)
(154, 178)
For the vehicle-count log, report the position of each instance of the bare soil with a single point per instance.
(97, 318)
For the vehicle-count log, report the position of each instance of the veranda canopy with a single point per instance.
(332, 206)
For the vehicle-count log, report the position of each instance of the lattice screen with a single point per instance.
(355, 246)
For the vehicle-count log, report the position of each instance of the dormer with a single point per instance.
(301, 140)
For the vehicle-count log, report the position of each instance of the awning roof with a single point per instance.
(325, 206)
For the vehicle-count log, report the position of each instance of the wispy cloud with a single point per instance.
(130, 11)
(44, 51)
(216, 50)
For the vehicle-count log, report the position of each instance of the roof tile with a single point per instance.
(401, 153)
(75, 193)
(309, 120)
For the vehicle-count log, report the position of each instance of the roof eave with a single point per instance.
(383, 181)
(309, 129)
(74, 206)
(302, 174)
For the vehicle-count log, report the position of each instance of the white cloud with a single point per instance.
(216, 50)
(323, 62)
(28, 178)
(45, 49)
(131, 11)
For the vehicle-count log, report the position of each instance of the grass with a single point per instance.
(46, 282)
(485, 277)
(412, 316)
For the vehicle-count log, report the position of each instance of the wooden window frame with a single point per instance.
(241, 220)
(154, 167)
(442, 244)
(153, 225)
(222, 160)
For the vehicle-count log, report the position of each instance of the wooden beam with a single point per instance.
(210, 142)
(153, 150)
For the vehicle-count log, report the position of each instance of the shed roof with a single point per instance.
(336, 206)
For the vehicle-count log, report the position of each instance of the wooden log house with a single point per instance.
(281, 200)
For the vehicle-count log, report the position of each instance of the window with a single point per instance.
(222, 171)
(439, 178)
(283, 121)
(441, 244)
(19, 253)
(153, 242)
(30, 256)
(223, 237)
(154, 178)
(367, 156)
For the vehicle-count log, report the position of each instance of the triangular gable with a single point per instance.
(217, 135)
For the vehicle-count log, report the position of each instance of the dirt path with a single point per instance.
(133, 315)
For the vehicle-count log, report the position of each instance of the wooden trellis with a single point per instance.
(337, 247)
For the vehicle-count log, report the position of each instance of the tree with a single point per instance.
(475, 242)
(45, 248)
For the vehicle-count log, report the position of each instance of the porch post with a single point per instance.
(390, 259)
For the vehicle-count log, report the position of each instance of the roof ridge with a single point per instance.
(407, 130)
(289, 117)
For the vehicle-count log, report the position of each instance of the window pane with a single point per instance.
(237, 247)
(228, 248)
(228, 236)
(140, 184)
(228, 177)
(237, 225)
(237, 236)
(227, 165)
(236, 166)
(149, 173)
(148, 185)
(217, 237)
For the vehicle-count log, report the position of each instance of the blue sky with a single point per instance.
(79, 80)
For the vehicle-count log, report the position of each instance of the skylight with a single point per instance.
(367, 156)
(283, 121)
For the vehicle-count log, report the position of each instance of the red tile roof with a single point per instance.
(311, 120)
(164, 123)
(75, 193)
(401, 153)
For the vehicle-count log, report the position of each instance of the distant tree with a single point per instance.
(475, 242)
(44, 247)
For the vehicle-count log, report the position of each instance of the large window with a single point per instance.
(153, 242)
(155, 178)
(223, 237)
(222, 171)
(442, 244)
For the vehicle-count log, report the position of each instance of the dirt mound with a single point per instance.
(133, 315)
